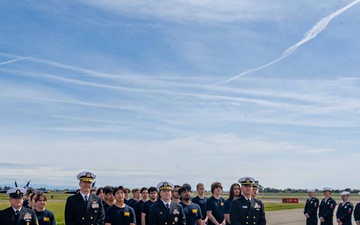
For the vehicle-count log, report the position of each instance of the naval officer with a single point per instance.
(345, 209)
(165, 211)
(311, 208)
(84, 208)
(246, 209)
(16, 214)
(327, 207)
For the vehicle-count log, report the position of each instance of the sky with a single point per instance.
(184, 91)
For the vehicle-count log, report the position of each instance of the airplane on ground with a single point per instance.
(26, 187)
(16, 185)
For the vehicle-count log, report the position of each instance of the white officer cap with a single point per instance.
(165, 185)
(16, 192)
(327, 189)
(310, 190)
(246, 181)
(344, 193)
(86, 176)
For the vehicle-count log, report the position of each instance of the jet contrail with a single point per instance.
(14, 60)
(310, 34)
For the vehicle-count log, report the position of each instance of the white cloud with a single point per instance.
(213, 11)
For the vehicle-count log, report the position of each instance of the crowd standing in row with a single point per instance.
(29, 212)
(326, 209)
(161, 205)
(166, 204)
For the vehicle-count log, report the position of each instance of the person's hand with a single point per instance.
(307, 215)
(322, 219)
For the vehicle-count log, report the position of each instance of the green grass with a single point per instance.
(282, 206)
(55, 204)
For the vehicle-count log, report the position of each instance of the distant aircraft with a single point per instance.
(26, 187)
(72, 192)
(16, 185)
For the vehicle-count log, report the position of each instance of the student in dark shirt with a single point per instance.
(215, 205)
(145, 209)
(45, 216)
(234, 193)
(200, 199)
(120, 213)
(192, 210)
(137, 207)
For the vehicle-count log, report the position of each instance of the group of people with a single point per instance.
(324, 210)
(165, 204)
(30, 212)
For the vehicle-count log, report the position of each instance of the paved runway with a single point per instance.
(291, 216)
(283, 217)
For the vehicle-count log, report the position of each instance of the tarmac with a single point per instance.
(290, 216)
(284, 217)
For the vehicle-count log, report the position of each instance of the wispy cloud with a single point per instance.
(12, 61)
(310, 34)
(142, 85)
(207, 12)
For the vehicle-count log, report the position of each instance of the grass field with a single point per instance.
(56, 203)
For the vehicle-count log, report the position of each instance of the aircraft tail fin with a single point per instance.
(27, 185)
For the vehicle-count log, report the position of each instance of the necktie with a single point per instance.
(86, 200)
(17, 212)
(167, 206)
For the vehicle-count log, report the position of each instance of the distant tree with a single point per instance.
(7, 187)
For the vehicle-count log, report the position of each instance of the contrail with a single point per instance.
(14, 60)
(310, 34)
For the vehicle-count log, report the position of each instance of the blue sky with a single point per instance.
(144, 91)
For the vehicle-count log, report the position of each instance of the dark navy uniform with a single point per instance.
(26, 216)
(326, 210)
(21, 216)
(79, 212)
(160, 215)
(243, 212)
(311, 207)
(344, 213)
(357, 213)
